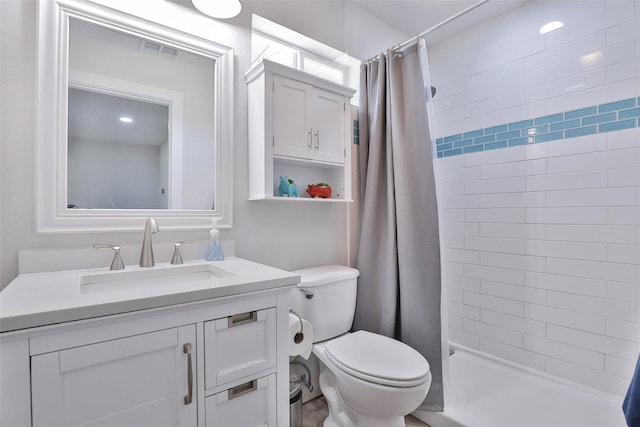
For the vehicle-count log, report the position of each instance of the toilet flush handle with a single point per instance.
(307, 294)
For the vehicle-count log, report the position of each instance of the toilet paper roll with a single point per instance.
(300, 336)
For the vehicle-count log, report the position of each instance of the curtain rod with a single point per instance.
(435, 27)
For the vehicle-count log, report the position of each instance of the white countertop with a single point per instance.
(39, 299)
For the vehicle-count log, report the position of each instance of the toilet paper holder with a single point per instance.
(299, 336)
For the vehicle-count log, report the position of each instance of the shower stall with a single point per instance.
(537, 160)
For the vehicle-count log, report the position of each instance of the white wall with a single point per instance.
(281, 234)
(542, 240)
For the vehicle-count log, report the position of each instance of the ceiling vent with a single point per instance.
(158, 49)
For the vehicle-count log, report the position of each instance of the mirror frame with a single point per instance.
(52, 215)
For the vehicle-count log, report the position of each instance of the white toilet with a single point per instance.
(369, 380)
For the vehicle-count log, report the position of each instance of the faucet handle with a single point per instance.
(116, 263)
(177, 256)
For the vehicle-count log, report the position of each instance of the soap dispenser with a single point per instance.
(214, 250)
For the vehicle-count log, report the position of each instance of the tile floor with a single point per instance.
(315, 411)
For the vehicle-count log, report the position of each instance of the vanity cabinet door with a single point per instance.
(143, 380)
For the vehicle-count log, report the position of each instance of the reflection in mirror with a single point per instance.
(166, 95)
(117, 152)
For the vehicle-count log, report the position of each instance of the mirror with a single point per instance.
(125, 93)
(141, 115)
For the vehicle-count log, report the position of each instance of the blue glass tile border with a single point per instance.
(609, 117)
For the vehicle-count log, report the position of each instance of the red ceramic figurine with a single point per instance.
(321, 190)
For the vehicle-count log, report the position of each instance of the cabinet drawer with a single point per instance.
(239, 345)
(251, 404)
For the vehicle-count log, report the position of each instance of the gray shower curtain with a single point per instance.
(399, 253)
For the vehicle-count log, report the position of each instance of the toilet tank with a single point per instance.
(326, 297)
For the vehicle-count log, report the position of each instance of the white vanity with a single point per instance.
(199, 344)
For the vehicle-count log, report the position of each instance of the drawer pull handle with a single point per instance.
(242, 318)
(189, 397)
(241, 389)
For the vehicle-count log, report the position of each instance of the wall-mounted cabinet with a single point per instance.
(300, 128)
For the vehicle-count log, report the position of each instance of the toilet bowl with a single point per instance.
(367, 379)
(371, 380)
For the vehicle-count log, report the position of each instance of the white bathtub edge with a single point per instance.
(537, 372)
(457, 417)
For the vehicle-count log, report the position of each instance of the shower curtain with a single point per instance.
(399, 287)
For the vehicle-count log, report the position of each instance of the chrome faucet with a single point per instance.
(146, 255)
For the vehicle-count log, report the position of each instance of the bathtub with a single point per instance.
(483, 391)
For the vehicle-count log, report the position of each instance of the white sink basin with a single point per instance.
(157, 274)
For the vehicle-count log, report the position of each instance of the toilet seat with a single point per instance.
(378, 359)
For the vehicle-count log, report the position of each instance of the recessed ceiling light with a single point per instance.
(218, 8)
(125, 119)
(551, 26)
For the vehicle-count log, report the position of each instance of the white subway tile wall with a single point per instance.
(538, 170)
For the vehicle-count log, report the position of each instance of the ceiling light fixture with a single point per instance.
(125, 119)
(218, 8)
(551, 26)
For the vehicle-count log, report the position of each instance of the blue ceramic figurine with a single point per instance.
(287, 187)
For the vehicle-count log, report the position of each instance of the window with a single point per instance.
(280, 44)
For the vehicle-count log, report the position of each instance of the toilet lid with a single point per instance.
(378, 359)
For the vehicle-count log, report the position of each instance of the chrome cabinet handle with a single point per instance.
(317, 140)
(242, 318)
(310, 134)
(189, 397)
(241, 389)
